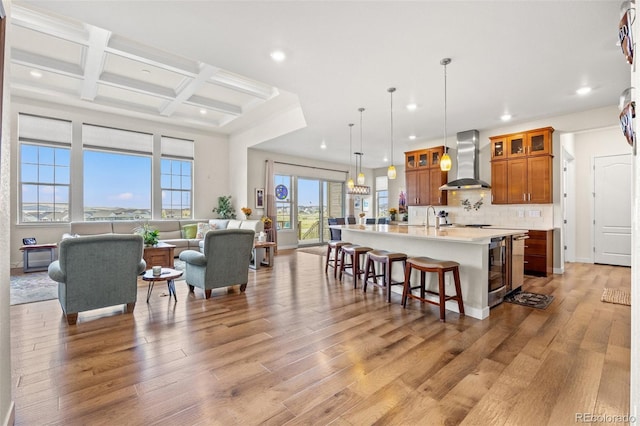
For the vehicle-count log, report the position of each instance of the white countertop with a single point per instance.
(465, 235)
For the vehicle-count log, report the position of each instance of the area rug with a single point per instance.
(317, 250)
(31, 287)
(612, 295)
(37, 286)
(532, 300)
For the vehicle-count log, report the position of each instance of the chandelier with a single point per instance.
(445, 161)
(350, 183)
(360, 188)
(391, 171)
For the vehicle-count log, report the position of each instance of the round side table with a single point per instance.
(167, 275)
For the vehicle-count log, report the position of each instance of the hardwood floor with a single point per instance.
(300, 348)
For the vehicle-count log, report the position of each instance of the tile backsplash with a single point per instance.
(474, 207)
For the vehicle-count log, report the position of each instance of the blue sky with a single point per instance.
(116, 180)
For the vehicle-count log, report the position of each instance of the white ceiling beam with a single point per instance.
(45, 63)
(223, 107)
(46, 24)
(94, 61)
(139, 86)
(151, 56)
(241, 84)
(189, 88)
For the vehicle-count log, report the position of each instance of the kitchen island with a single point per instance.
(467, 246)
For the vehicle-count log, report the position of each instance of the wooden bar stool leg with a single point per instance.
(441, 294)
(342, 260)
(326, 264)
(406, 289)
(337, 261)
(355, 268)
(456, 279)
(423, 286)
(368, 273)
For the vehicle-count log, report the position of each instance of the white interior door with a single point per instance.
(612, 204)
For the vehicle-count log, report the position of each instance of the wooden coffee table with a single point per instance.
(168, 275)
(159, 255)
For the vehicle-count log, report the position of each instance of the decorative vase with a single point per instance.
(393, 217)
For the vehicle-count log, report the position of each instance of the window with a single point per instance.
(283, 201)
(176, 178)
(175, 181)
(382, 196)
(44, 169)
(117, 174)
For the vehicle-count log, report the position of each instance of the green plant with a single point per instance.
(149, 235)
(225, 209)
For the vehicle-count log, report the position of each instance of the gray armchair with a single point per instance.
(223, 262)
(97, 271)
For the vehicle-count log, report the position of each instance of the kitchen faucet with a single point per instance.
(435, 217)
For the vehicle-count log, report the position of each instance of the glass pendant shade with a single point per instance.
(445, 162)
(350, 183)
(360, 178)
(391, 171)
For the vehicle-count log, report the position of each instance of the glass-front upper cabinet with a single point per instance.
(516, 145)
(423, 159)
(498, 147)
(539, 141)
(435, 154)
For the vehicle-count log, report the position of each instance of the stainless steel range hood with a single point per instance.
(467, 156)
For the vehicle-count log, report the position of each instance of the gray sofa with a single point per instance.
(96, 272)
(171, 230)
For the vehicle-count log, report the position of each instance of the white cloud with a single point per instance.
(123, 196)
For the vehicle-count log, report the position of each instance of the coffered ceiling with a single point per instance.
(173, 60)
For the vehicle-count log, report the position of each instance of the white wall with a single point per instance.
(588, 145)
(211, 168)
(256, 174)
(7, 406)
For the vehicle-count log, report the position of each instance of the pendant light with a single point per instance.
(391, 171)
(445, 161)
(350, 183)
(360, 154)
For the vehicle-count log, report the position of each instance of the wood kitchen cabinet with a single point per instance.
(423, 158)
(499, 188)
(522, 168)
(538, 253)
(424, 177)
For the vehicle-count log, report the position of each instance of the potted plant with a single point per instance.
(225, 209)
(392, 213)
(266, 221)
(149, 234)
(247, 212)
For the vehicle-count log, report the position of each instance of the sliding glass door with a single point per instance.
(317, 200)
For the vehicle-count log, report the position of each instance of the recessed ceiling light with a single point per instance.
(385, 159)
(505, 117)
(278, 55)
(323, 145)
(203, 111)
(412, 137)
(583, 90)
(35, 74)
(412, 107)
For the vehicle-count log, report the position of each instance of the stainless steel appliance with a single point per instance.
(498, 270)
(517, 261)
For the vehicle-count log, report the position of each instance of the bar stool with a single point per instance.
(385, 259)
(334, 247)
(427, 264)
(354, 251)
